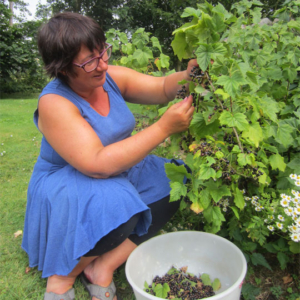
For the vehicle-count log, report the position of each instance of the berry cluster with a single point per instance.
(182, 93)
(182, 286)
(197, 75)
(223, 164)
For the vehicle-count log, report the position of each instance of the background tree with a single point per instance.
(100, 10)
(20, 67)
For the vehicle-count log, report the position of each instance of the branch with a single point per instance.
(238, 139)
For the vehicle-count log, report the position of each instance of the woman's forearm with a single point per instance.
(118, 157)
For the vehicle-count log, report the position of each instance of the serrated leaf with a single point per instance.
(259, 259)
(294, 164)
(177, 191)
(199, 128)
(294, 247)
(254, 134)
(250, 292)
(176, 173)
(206, 172)
(216, 285)
(217, 192)
(196, 208)
(283, 260)
(181, 47)
(205, 198)
(189, 11)
(123, 38)
(218, 217)
(205, 279)
(222, 93)
(236, 119)
(161, 291)
(269, 107)
(231, 83)
(165, 61)
(239, 199)
(141, 57)
(235, 211)
(146, 286)
(277, 162)
(246, 159)
(173, 271)
(206, 52)
(155, 43)
(283, 134)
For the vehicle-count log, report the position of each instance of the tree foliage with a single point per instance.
(20, 68)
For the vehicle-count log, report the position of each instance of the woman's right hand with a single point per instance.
(178, 117)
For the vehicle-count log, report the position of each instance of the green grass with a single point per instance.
(19, 149)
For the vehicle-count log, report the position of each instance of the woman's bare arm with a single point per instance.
(76, 141)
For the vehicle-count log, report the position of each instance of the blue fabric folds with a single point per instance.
(68, 212)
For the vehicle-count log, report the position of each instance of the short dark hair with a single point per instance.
(61, 38)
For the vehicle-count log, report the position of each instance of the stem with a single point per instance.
(211, 84)
(287, 91)
(238, 139)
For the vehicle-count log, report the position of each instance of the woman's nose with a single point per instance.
(102, 65)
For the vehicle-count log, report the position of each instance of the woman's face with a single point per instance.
(86, 81)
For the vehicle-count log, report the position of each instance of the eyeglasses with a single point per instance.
(93, 63)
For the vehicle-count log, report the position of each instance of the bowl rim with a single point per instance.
(237, 283)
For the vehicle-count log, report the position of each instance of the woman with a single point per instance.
(95, 192)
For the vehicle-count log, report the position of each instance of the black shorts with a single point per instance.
(161, 211)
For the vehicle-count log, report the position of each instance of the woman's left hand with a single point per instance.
(191, 64)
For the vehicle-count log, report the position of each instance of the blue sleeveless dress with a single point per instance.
(68, 212)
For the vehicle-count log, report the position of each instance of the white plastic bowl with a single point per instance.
(201, 252)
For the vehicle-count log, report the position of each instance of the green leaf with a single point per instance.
(206, 172)
(283, 134)
(146, 286)
(294, 164)
(294, 247)
(235, 119)
(205, 198)
(161, 291)
(283, 260)
(205, 279)
(256, 13)
(250, 292)
(206, 52)
(277, 162)
(231, 83)
(235, 211)
(259, 259)
(269, 107)
(176, 173)
(181, 47)
(164, 60)
(218, 217)
(246, 159)
(142, 57)
(189, 11)
(254, 134)
(155, 43)
(123, 38)
(216, 285)
(177, 191)
(239, 199)
(199, 128)
(217, 192)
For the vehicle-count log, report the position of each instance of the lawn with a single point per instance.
(19, 149)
